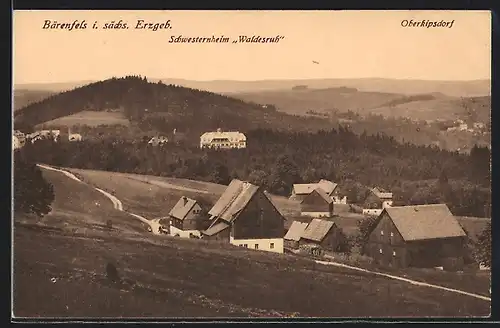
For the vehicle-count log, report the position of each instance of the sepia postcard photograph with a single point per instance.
(251, 164)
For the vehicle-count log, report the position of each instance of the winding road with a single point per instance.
(410, 281)
(117, 204)
(155, 225)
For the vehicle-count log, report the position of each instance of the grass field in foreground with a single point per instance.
(195, 278)
(189, 278)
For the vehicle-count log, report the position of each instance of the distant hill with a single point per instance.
(24, 97)
(409, 87)
(429, 106)
(163, 107)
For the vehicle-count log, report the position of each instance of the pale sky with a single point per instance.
(347, 44)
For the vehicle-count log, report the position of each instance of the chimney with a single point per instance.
(185, 200)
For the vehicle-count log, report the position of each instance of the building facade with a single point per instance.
(223, 140)
(417, 236)
(323, 233)
(317, 204)
(187, 218)
(244, 216)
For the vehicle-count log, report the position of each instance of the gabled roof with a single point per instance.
(233, 200)
(382, 194)
(306, 188)
(216, 228)
(317, 229)
(182, 208)
(421, 222)
(320, 192)
(296, 230)
(327, 186)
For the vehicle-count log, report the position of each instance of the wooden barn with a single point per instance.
(317, 204)
(417, 236)
(301, 190)
(294, 233)
(187, 218)
(246, 217)
(323, 233)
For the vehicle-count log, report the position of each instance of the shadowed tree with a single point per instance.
(32, 193)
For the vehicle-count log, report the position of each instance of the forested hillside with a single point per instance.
(164, 107)
(276, 160)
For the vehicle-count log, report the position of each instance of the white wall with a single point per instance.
(338, 200)
(316, 214)
(264, 244)
(183, 233)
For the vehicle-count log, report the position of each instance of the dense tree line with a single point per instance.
(32, 193)
(162, 107)
(277, 160)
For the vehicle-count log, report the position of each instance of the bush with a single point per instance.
(109, 224)
(112, 272)
(365, 227)
(483, 246)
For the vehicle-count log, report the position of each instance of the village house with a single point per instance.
(246, 217)
(317, 204)
(322, 233)
(301, 190)
(376, 201)
(417, 236)
(223, 140)
(187, 218)
(292, 237)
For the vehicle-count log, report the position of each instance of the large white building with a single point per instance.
(223, 140)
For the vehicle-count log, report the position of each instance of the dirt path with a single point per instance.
(413, 282)
(117, 204)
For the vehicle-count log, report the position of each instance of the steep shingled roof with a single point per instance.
(296, 230)
(327, 186)
(421, 222)
(233, 200)
(182, 208)
(317, 229)
(306, 188)
(216, 228)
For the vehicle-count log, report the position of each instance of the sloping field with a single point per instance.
(167, 277)
(299, 102)
(78, 206)
(153, 196)
(90, 118)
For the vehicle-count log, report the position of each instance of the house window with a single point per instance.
(271, 246)
(256, 246)
(381, 232)
(380, 251)
(245, 245)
